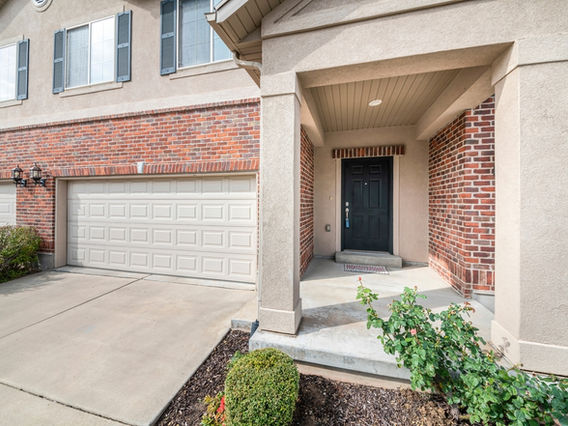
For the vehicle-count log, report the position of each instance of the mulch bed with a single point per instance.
(322, 401)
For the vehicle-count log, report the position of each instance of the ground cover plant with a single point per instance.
(19, 246)
(444, 354)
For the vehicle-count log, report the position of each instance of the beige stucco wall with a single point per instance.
(146, 90)
(412, 182)
(531, 292)
(439, 29)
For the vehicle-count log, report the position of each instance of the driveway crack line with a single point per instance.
(64, 404)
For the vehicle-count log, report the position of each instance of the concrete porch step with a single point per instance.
(361, 257)
(346, 352)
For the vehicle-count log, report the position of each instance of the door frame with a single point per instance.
(394, 194)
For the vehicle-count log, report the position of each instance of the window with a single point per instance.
(14, 60)
(90, 53)
(197, 42)
(8, 72)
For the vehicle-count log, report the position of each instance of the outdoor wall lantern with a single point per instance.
(17, 176)
(35, 174)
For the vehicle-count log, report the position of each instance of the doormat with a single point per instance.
(366, 269)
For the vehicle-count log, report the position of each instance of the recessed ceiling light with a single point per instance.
(375, 102)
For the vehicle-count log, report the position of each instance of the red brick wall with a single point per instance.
(462, 200)
(221, 137)
(306, 202)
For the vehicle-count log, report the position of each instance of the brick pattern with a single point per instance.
(223, 137)
(306, 202)
(368, 151)
(462, 200)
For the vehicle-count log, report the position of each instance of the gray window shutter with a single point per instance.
(59, 61)
(168, 37)
(123, 45)
(23, 61)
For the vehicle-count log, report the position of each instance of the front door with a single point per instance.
(367, 204)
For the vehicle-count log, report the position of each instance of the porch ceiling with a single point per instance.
(405, 99)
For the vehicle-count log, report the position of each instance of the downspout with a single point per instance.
(212, 17)
(258, 66)
(246, 64)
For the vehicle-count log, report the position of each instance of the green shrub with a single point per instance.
(18, 251)
(261, 389)
(448, 358)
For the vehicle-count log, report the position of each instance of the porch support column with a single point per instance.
(531, 156)
(280, 307)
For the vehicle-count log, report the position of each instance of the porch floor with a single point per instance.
(333, 331)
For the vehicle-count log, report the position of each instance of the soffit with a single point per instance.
(404, 99)
(237, 22)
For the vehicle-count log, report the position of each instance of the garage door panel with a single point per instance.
(202, 227)
(227, 239)
(187, 211)
(139, 236)
(118, 211)
(187, 238)
(242, 185)
(240, 213)
(76, 255)
(76, 233)
(213, 186)
(7, 203)
(97, 256)
(213, 212)
(118, 234)
(240, 267)
(140, 261)
(188, 264)
(118, 258)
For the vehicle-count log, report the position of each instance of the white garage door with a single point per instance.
(197, 227)
(7, 203)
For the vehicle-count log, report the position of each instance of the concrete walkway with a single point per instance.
(333, 330)
(84, 349)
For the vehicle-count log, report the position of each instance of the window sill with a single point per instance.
(84, 90)
(11, 102)
(209, 68)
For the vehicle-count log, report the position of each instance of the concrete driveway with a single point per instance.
(84, 349)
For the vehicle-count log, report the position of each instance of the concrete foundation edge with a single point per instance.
(46, 261)
(531, 355)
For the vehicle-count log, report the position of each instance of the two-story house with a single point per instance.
(234, 140)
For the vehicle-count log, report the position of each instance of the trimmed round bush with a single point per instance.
(262, 389)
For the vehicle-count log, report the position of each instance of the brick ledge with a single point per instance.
(186, 108)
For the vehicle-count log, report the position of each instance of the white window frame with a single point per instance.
(15, 72)
(89, 56)
(211, 40)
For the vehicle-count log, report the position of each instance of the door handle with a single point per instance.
(347, 215)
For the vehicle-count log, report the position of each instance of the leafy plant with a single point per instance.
(18, 251)
(444, 354)
(261, 389)
(215, 414)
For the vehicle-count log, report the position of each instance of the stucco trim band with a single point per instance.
(368, 151)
